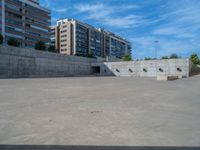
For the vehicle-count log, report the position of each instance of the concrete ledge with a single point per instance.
(171, 78)
(167, 78)
(162, 78)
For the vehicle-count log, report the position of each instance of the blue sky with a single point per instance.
(174, 23)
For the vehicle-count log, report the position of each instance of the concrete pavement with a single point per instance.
(100, 111)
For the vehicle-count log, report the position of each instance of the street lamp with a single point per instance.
(156, 53)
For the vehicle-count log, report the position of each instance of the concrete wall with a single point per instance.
(18, 62)
(171, 67)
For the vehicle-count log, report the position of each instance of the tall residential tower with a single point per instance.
(24, 20)
(73, 37)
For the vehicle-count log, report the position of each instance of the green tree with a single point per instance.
(13, 42)
(195, 59)
(40, 45)
(127, 57)
(147, 58)
(173, 56)
(90, 56)
(79, 55)
(165, 57)
(52, 48)
(1, 39)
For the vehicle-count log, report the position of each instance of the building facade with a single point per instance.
(73, 37)
(24, 20)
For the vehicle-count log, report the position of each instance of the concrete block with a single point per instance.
(166, 78)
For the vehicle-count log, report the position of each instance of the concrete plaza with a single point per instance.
(100, 111)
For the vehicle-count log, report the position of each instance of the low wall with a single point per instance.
(169, 67)
(19, 62)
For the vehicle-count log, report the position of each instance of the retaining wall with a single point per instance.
(19, 62)
(169, 67)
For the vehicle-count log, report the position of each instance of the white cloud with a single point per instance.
(47, 3)
(59, 10)
(108, 15)
(53, 19)
(130, 21)
(89, 7)
(175, 31)
(181, 20)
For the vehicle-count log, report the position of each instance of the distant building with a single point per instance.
(24, 20)
(53, 31)
(73, 37)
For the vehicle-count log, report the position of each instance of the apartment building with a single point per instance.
(115, 46)
(24, 20)
(53, 31)
(73, 37)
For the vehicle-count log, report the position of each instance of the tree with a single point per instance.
(13, 42)
(79, 55)
(195, 59)
(90, 56)
(165, 57)
(127, 57)
(173, 56)
(40, 45)
(147, 58)
(52, 48)
(1, 39)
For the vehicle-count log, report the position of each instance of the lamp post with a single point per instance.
(156, 53)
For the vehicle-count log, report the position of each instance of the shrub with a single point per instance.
(195, 59)
(52, 48)
(165, 57)
(40, 45)
(148, 58)
(90, 56)
(1, 39)
(174, 56)
(127, 57)
(78, 55)
(13, 42)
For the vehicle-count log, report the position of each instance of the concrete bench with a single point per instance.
(167, 78)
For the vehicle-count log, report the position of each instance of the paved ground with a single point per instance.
(100, 111)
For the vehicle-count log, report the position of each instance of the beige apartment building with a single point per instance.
(72, 37)
(61, 37)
